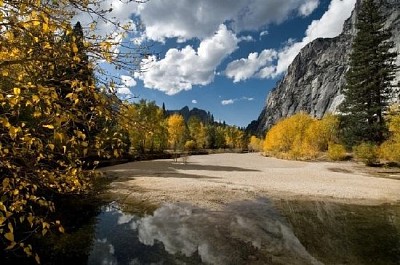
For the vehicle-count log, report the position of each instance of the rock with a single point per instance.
(314, 80)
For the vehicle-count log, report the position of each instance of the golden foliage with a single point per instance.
(367, 153)
(336, 152)
(51, 116)
(390, 149)
(301, 137)
(255, 144)
(176, 130)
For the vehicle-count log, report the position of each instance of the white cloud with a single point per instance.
(254, 65)
(330, 25)
(123, 90)
(248, 99)
(263, 33)
(187, 19)
(128, 81)
(307, 8)
(194, 101)
(247, 38)
(228, 101)
(119, 11)
(181, 69)
(263, 66)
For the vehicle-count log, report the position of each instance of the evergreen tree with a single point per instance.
(369, 78)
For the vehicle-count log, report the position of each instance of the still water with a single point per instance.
(248, 232)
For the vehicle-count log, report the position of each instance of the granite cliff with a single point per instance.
(313, 81)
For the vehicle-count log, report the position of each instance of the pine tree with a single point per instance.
(369, 78)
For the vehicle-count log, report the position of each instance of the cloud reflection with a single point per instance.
(235, 235)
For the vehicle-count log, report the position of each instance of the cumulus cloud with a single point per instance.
(228, 101)
(307, 8)
(187, 19)
(119, 11)
(254, 65)
(123, 90)
(247, 38)
(194, 101)
(187, 230)
(270, 63)
(181, 69)
(263, 33)
(128, 81)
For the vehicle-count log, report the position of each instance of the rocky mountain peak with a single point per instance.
(313, 81)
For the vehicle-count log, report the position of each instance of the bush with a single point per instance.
(336, 152)
(366, 152)
(190, 145)
(281, 137)
(301, 137)
(390, 151)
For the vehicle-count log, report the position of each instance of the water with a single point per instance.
(249, 232)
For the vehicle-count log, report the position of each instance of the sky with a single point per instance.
(223, 56)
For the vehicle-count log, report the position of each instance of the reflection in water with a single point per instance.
(250, 232)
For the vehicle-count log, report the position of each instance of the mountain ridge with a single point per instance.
(313, 81)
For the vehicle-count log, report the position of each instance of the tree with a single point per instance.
(145, 125)
(51, 114)
(369, 79)
(176, 131)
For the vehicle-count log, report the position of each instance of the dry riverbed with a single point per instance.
(213, 180)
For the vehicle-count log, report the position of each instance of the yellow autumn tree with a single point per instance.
(286, 136)
(52, 116)
(390, 149)
(176, 131)
(301, 137)
(255, 144)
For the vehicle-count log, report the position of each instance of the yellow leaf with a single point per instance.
(17, 91)
(11, 246)
(9, 236)
(37, 259)
(48, 126)
(45, 27)
(51, 146)
(28, 250)
(4, 73)
(35, 99)
(6, 183)
(30, 220)
(61, 229)
(74, 48)
(2, 219)
(44, 231)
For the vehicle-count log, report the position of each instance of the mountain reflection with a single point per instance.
(250, 232)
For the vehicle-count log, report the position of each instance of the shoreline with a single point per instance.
(211, 181)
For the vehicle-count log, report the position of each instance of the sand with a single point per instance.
(214, 180)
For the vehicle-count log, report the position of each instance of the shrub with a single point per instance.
(366, 152)
(301, 137)
(390, 151)
(281, 137)
(336, 152)
(190, 145)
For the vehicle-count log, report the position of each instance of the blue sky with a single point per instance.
(223, 56)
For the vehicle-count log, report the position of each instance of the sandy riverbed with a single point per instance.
(212, 180)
